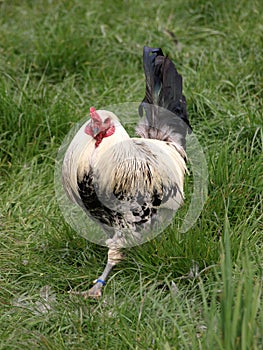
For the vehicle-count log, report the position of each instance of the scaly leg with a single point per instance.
(114, 257)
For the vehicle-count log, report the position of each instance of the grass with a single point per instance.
(196, 290)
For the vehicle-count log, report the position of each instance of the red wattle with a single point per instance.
(88, 130)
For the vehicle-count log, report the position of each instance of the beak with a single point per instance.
(95, 130)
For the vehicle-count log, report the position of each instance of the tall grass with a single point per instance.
(196, 290)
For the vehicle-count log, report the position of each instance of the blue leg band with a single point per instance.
(101, 281)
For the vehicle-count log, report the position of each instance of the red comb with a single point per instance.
(93, 114)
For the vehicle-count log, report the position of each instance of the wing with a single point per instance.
(134, 187)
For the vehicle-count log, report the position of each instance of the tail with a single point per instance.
(164, 104)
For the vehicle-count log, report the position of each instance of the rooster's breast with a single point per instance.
(133, 193)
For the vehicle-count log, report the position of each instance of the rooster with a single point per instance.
(131, 186)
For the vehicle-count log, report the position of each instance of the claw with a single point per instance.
(94, 292)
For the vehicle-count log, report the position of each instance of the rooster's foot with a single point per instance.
(94, 292)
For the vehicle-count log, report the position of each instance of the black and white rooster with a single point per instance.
(131, 186)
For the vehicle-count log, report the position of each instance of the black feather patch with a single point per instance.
(133, 211)
(163, 93)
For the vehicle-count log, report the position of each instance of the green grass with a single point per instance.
(196, 290)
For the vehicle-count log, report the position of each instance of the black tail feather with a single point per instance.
(163, 94)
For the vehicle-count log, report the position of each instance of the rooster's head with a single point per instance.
(100, 125)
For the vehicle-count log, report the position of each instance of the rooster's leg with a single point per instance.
(114, 256)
